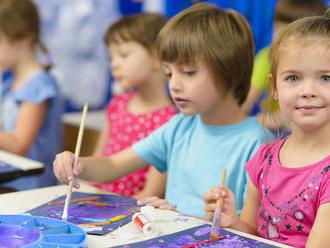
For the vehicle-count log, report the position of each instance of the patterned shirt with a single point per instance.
(289, 197)
(126, 129)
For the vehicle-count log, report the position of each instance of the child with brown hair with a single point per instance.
(30, 101)
(207, 55)
(288, 197)
(134, 115)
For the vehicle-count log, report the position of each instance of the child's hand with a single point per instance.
(63, 168)
(156, 202)
(228, 214)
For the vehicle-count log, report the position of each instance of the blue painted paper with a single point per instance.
(197, 234)
(107, 212)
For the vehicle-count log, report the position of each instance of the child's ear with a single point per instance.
(272, 83)
(158, 63)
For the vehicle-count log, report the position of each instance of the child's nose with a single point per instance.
(309, 89)
(114, 63)
(174, 83)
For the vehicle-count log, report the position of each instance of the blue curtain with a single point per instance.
(128, 7)
(259, 13)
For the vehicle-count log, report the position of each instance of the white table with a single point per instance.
(21, 166)
(19, 202)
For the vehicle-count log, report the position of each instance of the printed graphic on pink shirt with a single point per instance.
(126, 129)
(290, 197)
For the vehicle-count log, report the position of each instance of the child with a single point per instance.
(286, 12)
(30, 106)
(288, 197)
(208, 56)
(133, 116)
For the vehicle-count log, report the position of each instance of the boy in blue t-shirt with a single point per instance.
(207, 54)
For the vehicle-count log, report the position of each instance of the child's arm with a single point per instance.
(229, 216)
(155, 184)
(30, 118)
(248, 217)
(320, 234)
(102, 140)
(97, 169)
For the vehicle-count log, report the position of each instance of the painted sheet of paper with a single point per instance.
(98, 213)
(6, 168)
(199, 237)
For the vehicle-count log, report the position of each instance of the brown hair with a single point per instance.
(141, 28)
(299, 32)
(221, 38)
(290, 10)
(19, 19)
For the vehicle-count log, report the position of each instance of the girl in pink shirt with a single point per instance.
(288, 196)
(146, 105)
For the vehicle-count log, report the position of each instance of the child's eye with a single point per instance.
(168, 75)
(123, 55)
(292, 78)
(190, 73)
(325, 78)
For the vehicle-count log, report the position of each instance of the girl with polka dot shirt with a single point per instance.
(288, 196)
(132, 116)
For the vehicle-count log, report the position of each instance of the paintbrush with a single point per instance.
(76, 156)
(214, 235)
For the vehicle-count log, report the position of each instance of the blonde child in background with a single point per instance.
(207, 55)
(133, 116)
(286, 12)
(288, 197)
(30, 105)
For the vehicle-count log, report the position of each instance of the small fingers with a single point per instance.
(226, 193)
(156, 202)
(210, 207)
(75, 183)
(77, 169)
(66, 159)
(63, 167)
(147, 200)
(212, 195)
(163, 204)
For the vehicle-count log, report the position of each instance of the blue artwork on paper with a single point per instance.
(98, 214)
(199, 237)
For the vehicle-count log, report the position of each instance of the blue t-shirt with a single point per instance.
(40, 88)
(194, 156)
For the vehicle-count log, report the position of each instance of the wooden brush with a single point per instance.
(214, 235)
(76, 156)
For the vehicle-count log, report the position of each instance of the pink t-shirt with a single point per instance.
(290, 197)
(126, 129)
